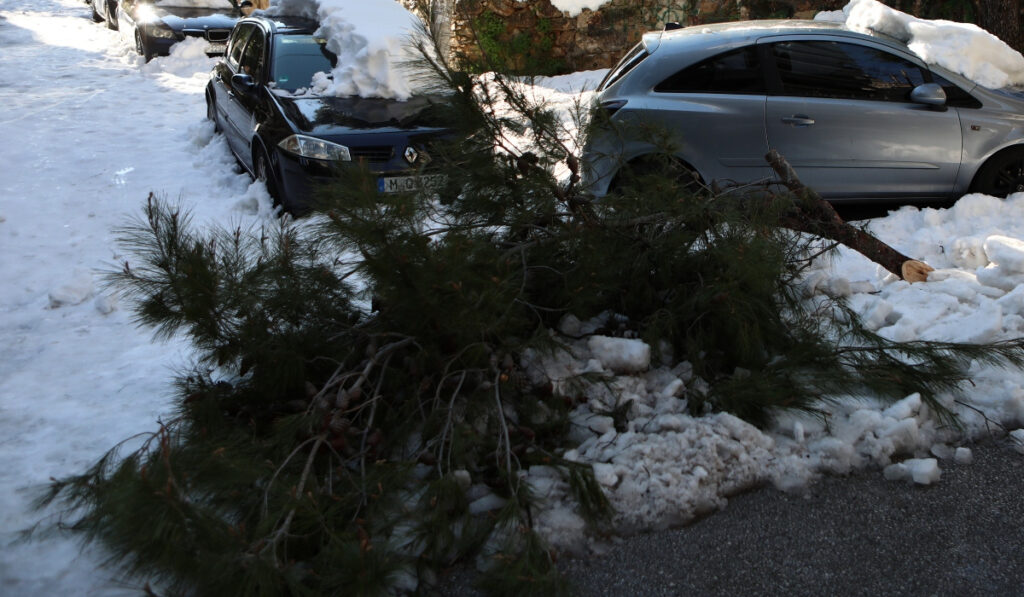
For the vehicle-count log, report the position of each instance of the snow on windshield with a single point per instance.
(222, 4)
(371, 40)
(959, 47)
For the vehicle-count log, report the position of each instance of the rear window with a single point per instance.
(297, 58)
(628, 63)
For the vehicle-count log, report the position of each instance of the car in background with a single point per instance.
(294, 140)
(153, 26)
(857, 115)
(104, 11)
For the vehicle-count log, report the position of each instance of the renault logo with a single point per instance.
(411, 155)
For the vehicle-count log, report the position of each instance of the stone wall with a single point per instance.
(535, 37)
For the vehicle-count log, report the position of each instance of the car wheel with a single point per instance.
(265, 174)
(211, 112)
(140, 47)
(640, 174)
(111, 15)
(1002, 174)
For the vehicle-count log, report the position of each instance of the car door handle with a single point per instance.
(798, 120)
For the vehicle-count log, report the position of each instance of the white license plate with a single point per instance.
(217, 48)
(405, 184)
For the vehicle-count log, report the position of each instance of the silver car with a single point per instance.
(858, 116)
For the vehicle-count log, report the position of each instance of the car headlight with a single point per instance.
(309, 147)
(161, 31)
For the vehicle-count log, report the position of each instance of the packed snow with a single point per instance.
(92, 130)
(963, 48)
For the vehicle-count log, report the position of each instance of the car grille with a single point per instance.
(381, 153)
(218, 34)
(214, 35)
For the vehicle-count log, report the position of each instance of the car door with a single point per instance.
(715, 112)
(842, 116)
(240, 107)
(228, 109)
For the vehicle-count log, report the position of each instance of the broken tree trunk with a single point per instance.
(816, 216)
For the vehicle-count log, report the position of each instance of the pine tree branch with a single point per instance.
(816, 216)
(282, 532)
(504, 431)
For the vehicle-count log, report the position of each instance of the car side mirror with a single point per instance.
(243, 84)
(929, 94)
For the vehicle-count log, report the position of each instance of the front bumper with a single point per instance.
(299, 179)
(161, 46)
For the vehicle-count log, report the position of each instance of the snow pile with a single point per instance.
(963, 48)
(661, 464)
(575, 7)
(371, 39)
(188, 58)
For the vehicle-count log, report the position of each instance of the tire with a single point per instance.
(641, 173)
(1002, 174)
(140, 47)
(265, 173)
(111, 15)
(211, 112)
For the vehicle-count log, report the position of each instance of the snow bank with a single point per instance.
(187, 59)
(960, 47)
(371, 39)
(661, 464)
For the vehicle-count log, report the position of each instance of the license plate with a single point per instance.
(217, 48)
(405, 184)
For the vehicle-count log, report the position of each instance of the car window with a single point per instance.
(237, 43)
(737, 71)
(955, 96)
(297, 58)
(844, 70)
(628, 63)
(253, 62)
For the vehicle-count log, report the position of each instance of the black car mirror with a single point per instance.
(929, 94)
(243, 83)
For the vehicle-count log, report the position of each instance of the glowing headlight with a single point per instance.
(161, 31)
(145, 13)
(308, 147)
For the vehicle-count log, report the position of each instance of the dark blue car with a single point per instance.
(294, 140)
(153, 26)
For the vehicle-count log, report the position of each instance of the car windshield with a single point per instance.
(297, 58)
(220, 4)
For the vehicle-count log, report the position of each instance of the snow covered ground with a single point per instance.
(87, 131)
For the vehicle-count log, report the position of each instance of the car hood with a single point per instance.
(332, 115)
(178, 18)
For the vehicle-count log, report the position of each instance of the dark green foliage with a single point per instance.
(522, 53)
(356, 372)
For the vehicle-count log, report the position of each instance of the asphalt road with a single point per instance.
(855, 535)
